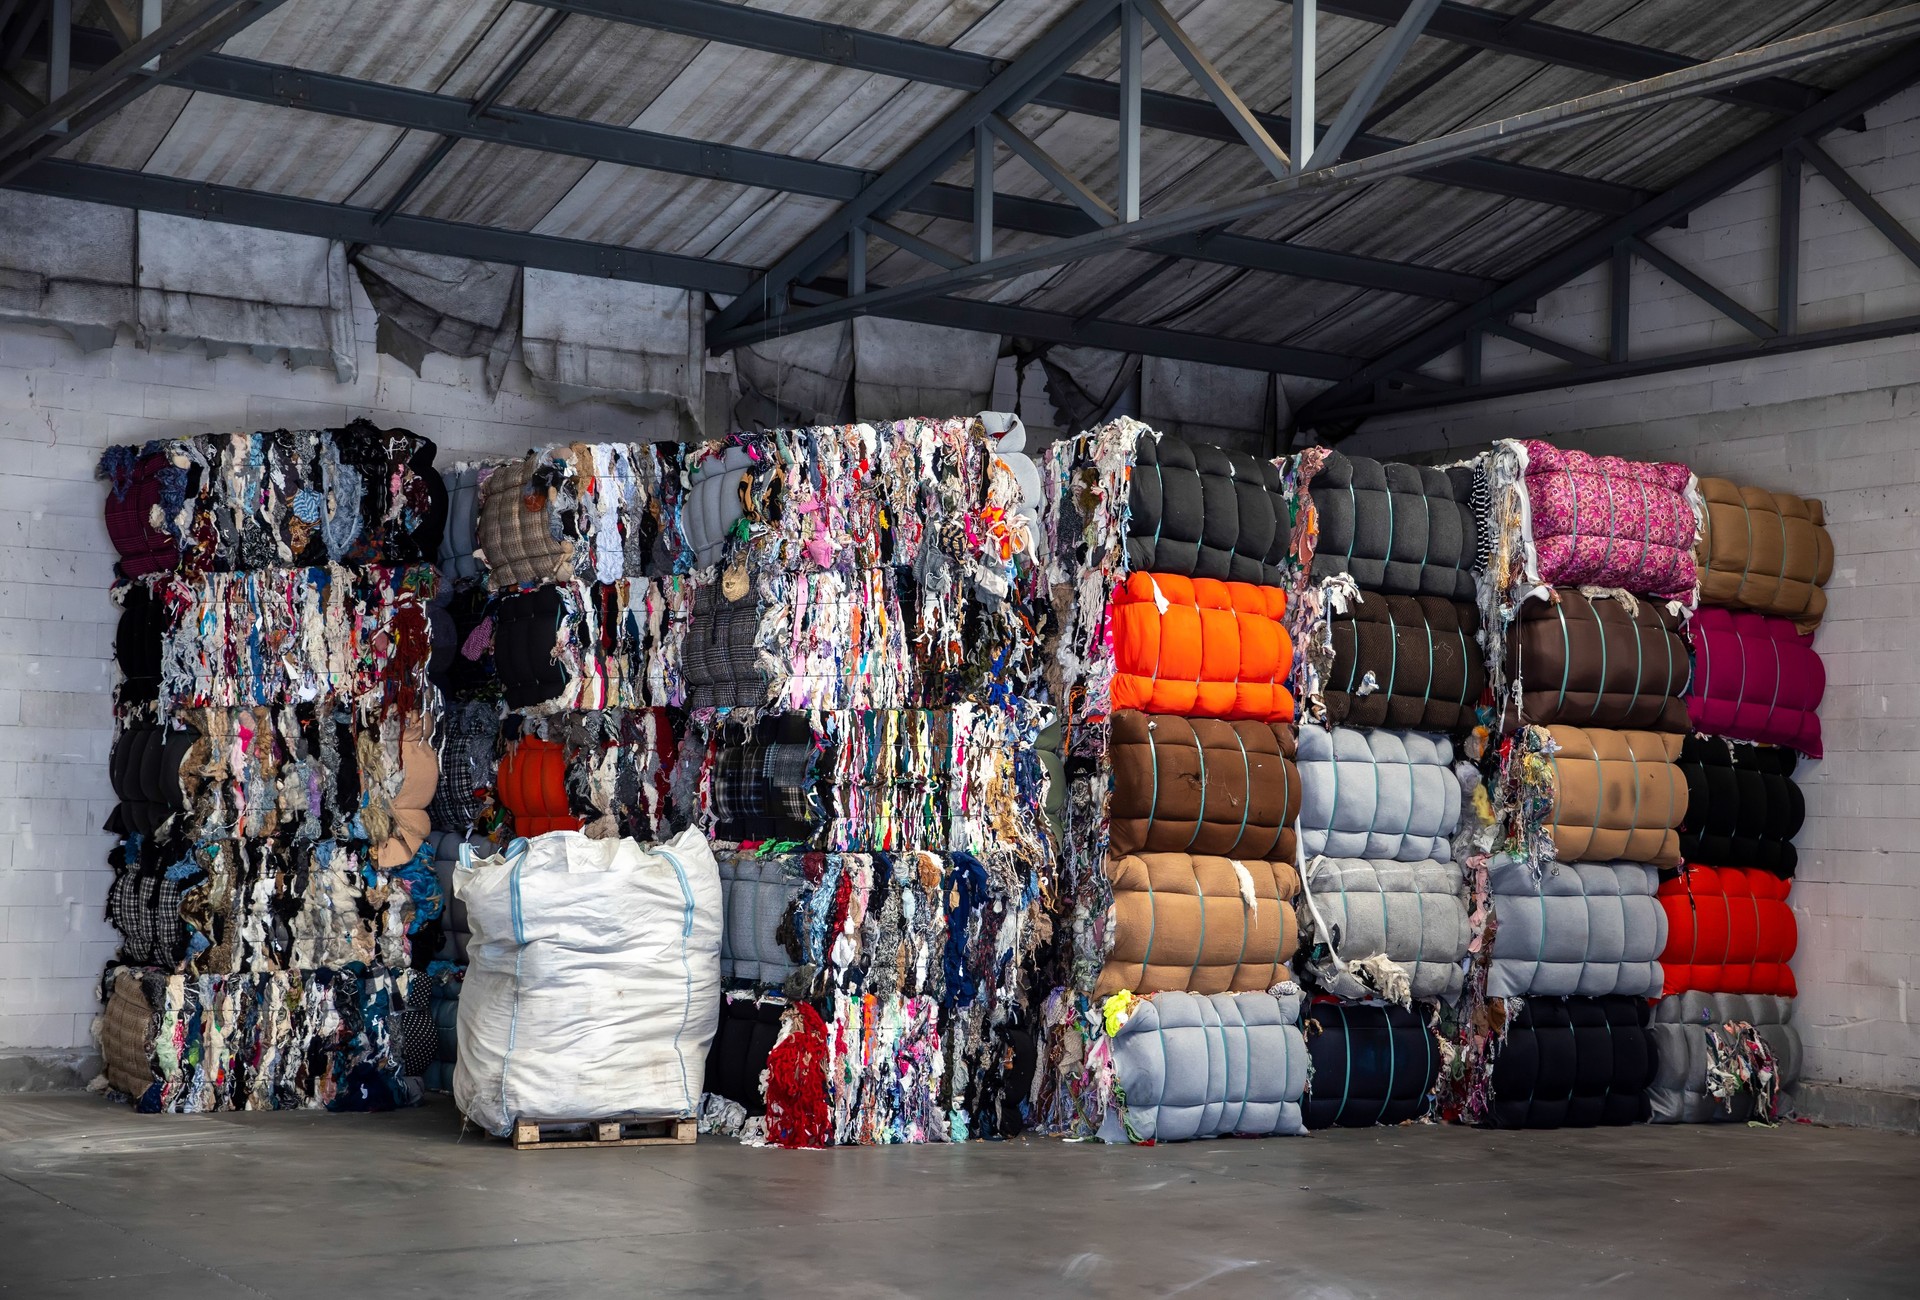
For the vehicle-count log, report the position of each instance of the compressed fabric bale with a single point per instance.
(1687, 1030)
(1598, 661)
(1407, 530)
(594, 982)
(1767, 552)
(744, 1039)
(1407, 662)
(407, 799)
(757, 894)
(1585, 928)
(1743, 808)
(1202, 786)
(517, 540)
(144, 768)
(720, 656)
(1378, 795)
(458, 543)
(526, 632)
(1412, 913)
(139, 642)
(1202, 648)
(125, 1031)
(444, 1007)
(468, 732)
(1729, 930)
(1192, 1066)
(1617, 796)
(1601, 521)
(403, 503)
(1576, 1062)
(1756, 678)
(1372, 1064)
(531, 783)
(143, 487)
(143, 903)
(1049, 747)
(1183, 922)
(712, 506)
(763, 781)
(1205, 512)
(454, 930)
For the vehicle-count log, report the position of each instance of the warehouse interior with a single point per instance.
(804, 459)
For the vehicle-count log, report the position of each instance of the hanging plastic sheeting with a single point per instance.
(1723, 1057)
(593, 987)
(1575, 1063)
(235, 287)
(795, 379)
(1188, 1066)
(641, 345)
(428, 302)
(904, 368)
(1217, 404)
(67, 264)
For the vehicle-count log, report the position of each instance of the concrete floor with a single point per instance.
(97, 1201)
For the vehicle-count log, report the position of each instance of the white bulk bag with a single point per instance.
(593, 978)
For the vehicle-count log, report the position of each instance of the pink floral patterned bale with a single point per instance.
(1606, 522)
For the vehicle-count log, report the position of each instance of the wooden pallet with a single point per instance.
(563, 1134)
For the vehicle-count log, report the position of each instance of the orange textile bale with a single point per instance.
(1201, 648)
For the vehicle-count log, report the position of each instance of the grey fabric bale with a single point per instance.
(458, 563)
(1681, 1025)
(1583, 929)
(1412, 913)
(1378, 795)
(454, 929)
(757, 894)
(711, 506)
(1048, 747)
(1192, 1066)
(1205, 512)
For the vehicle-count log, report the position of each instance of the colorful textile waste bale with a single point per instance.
(1202, 648)
(1200, 785)
(1194, 923)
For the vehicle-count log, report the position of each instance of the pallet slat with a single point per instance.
(566, 1134)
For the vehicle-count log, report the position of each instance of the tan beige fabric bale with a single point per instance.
(1199, 785)
(1181, 923)
(1763, 551)
(1617, 796)
(126, 1034)
(516, 542)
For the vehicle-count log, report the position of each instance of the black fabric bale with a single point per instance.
(526, 631)
(1743, 807)
(1205, 512)
(1405, 530)
(1575, 1063)
(741, 1044)
(144, 768)
(1371, 1064)
(139, 642)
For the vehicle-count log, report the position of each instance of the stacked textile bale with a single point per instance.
(861, 665)
(1728, 1046)
(274, 761)
(1391, 675)
(1180, 865)
(1586, 600)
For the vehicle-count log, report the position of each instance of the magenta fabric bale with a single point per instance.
(1756, 677)
(1606, 522)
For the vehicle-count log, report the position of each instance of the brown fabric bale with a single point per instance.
(1180, 923)
(1424, 658)
(126, 1036)
(1200, 785)
(1618, 796)
(1768, 552)
(1594, 662)
(515, 535)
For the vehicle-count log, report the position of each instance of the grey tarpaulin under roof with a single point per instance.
(519, 107)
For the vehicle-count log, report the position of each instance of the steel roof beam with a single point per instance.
(1488, 29)
(388, 105)
(893, 56)
(355, 225)
(1842, 40)
(1351, 399)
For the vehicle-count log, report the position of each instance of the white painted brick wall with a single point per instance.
(1842, 425)
(58, 408)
